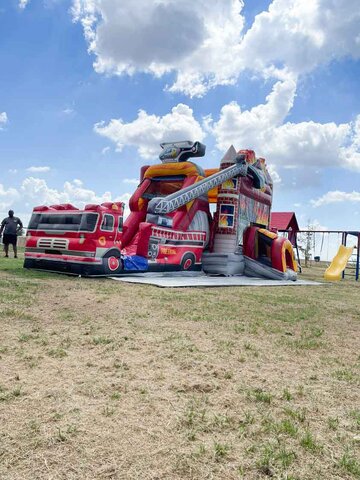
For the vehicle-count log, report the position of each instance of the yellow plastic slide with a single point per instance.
(338, 264)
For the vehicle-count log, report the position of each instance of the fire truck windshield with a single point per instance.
(64, 222)
(163, 186)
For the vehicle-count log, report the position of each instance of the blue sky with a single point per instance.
(280, 77)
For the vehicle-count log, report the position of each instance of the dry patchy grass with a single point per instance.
(105, 380)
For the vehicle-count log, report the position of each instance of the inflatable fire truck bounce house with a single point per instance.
(170, 226)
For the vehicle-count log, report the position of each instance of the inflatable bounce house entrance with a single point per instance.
(170, 226)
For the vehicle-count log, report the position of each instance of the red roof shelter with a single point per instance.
(285, 222)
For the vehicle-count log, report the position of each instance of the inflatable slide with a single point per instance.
(334, 271)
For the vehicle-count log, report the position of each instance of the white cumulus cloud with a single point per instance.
(205, 43)
(3, 119)
(35, 191)
(336, 196)
(301, 34)
(147, 131)
(68, 111)
(23, 3)
(264, 128)
(132, 181)
(313, 225)
(7, 197)
(274, 174)
(35, 169)
(199, 40)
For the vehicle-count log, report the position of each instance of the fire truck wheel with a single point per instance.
(112, 263)
(187, 261)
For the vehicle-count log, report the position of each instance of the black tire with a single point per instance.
(112, 263)
(188, 261)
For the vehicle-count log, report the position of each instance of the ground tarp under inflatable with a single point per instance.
(199, 279)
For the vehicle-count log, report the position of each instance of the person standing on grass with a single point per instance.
(11, 227)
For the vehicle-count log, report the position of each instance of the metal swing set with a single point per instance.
(353, 264)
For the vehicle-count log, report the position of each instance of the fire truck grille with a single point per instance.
(53, 243)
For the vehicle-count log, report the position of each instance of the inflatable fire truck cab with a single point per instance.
(63, 238)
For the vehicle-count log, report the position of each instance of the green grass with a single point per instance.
(57, 352)
(333, 423)
(287, 395)
(355, 416)
(260, 395)
(350, 464)
(14, 267)
(8, 395)
(274, 459)
(345, 375)
(287, 427)
(221, 450)
(309, 442)
(298, 414)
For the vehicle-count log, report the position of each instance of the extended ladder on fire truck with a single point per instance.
(176, 200)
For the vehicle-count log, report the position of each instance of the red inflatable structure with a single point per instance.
(170, 226)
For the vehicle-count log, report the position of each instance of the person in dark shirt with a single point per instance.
(11, 227)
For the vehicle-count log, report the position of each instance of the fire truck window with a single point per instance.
(64, 222)
(34, 221)
(163, 186)
(88, 222)
(108, 223)
(120, 227)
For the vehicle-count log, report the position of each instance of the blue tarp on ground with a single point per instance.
(135, 262)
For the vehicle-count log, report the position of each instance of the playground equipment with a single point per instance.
(170, 226)
(348, 262)
(334, 271)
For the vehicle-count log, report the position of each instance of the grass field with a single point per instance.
(105, 380)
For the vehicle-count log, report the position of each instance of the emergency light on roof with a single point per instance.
(174, 152)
